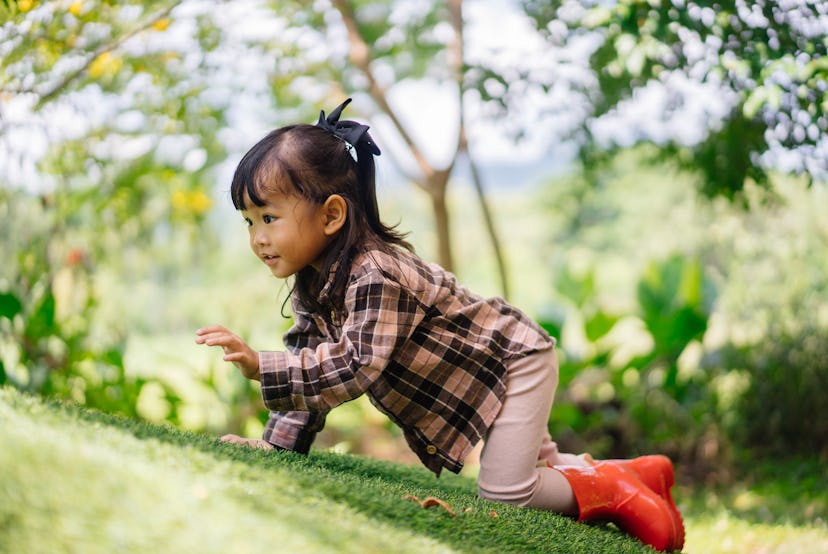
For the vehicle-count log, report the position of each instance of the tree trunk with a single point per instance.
(433, 181)
(437, 186)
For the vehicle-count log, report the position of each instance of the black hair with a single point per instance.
(314, 163)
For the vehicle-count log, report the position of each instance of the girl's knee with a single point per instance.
(519, 495)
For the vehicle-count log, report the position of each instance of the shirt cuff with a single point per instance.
(287, 436)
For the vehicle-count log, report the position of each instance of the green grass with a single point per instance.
(73, 480)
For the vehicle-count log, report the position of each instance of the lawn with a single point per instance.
(74, 480)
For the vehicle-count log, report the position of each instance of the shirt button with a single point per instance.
(431, 449)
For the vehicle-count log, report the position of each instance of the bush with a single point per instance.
(781, 411)
(624, 389)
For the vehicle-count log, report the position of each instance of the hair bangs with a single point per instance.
(244, 179)
(260, 172)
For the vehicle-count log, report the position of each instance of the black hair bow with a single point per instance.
(350, 131)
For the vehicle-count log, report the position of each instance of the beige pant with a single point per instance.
(519, 439)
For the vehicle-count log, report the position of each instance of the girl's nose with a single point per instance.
(259, 238)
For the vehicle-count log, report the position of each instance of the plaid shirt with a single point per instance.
(429, 353)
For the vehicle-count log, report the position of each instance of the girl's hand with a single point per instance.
(235, 349)
(252, 443)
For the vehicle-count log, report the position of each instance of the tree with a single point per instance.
(372, 45)
(761, 68)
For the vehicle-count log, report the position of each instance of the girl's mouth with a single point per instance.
(269, 260)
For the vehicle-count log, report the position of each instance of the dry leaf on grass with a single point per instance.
(430, 501)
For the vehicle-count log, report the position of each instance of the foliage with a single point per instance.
(706, 322)
(122, 137)
(778, 412)
(761, 65)
(623, 402)
(374, 49)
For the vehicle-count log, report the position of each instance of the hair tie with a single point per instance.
(349, 131)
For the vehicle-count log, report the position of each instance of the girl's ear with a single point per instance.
(334, 213)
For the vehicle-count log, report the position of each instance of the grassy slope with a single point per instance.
(78, 481)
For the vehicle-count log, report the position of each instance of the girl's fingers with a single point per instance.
(205, 334)
(235, 349)
(218, 339)
(252, 443)
(211, 329)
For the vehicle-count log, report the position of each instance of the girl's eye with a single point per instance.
(248, 222)
(268, 218)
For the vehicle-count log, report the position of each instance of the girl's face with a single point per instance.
(288, 233)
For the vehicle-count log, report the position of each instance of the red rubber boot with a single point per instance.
(657, 473)
(608, 492)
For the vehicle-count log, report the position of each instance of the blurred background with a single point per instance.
(647, 179)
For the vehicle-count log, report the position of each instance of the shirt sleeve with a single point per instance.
(382, 315)
(296, 431)
(293, 430)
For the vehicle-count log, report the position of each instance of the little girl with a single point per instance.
(449, 367)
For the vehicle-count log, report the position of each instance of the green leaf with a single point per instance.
(567, 414)
(42, 321)
(551, 327)
(754, 102)
(691, 285)
(114, 357)
(671, 295)
(10, 305)
(599, 325)
(580, 289)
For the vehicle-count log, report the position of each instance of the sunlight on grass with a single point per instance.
(66, 486)
(724, 533)
(782, 508)
(74, 480)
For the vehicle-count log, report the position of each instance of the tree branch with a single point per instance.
(109, 47)
(360, 56)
